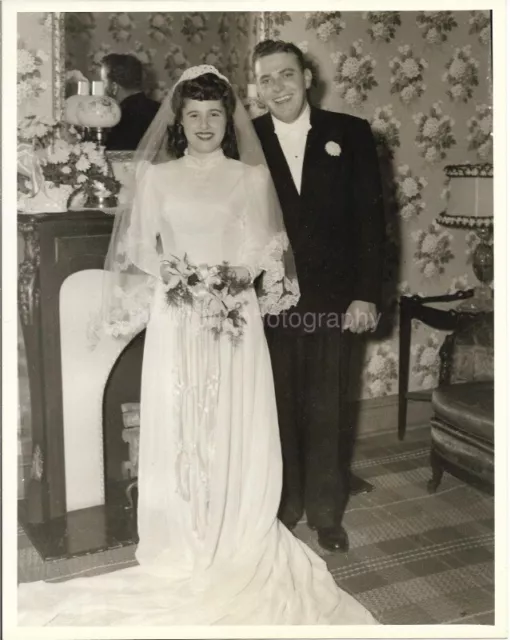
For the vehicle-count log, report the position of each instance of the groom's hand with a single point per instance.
(360, 316)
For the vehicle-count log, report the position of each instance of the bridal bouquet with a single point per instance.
(216, 288)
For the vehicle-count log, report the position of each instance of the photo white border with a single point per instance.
(9, 324)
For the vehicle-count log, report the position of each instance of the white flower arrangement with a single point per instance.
(333, 148)
(434, 133)
(61, 160)
(461, 74)
(407, 75)
(38, 128)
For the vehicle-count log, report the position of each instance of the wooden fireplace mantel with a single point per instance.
(56, 246)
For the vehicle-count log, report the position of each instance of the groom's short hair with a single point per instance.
(268, 47)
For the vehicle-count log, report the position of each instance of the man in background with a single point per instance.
(123, 78)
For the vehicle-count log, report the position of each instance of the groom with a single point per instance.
(325, 169)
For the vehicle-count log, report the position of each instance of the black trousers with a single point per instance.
(311, 375)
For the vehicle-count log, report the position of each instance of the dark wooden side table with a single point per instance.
(442, 318)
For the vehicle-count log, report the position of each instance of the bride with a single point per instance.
(198, 257)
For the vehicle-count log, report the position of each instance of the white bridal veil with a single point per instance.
(133, 261)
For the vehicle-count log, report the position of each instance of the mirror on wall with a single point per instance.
(164, 43)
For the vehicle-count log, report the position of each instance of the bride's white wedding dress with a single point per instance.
(211, 549)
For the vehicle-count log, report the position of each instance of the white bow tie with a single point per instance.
(298, 128)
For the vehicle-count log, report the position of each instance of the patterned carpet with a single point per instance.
(414, 558)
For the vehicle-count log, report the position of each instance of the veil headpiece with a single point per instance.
(199, 70)
(132, 267)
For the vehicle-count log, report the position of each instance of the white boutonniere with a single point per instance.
(333, 148)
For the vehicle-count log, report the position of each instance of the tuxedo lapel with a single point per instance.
(312, 149)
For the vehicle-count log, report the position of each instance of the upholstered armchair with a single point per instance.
(462, 426)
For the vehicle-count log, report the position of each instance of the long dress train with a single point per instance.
(211, 549)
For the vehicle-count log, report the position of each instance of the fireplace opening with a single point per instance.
(121, 426)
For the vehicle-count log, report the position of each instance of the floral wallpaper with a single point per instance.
(422, 79)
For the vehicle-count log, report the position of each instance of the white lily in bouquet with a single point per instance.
(214, 291)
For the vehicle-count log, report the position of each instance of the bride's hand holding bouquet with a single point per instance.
(217, 288)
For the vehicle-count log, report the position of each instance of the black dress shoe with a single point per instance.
(333, 539)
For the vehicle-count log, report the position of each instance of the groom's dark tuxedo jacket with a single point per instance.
(336, 225)
(137, 113)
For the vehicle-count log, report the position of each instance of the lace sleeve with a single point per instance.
(142, 227)
(132, 262)
(266, 250)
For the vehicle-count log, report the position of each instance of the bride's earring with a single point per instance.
(181, 137)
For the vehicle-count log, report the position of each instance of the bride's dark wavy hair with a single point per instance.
(206, 87)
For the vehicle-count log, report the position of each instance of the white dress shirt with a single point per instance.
(292, 138)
